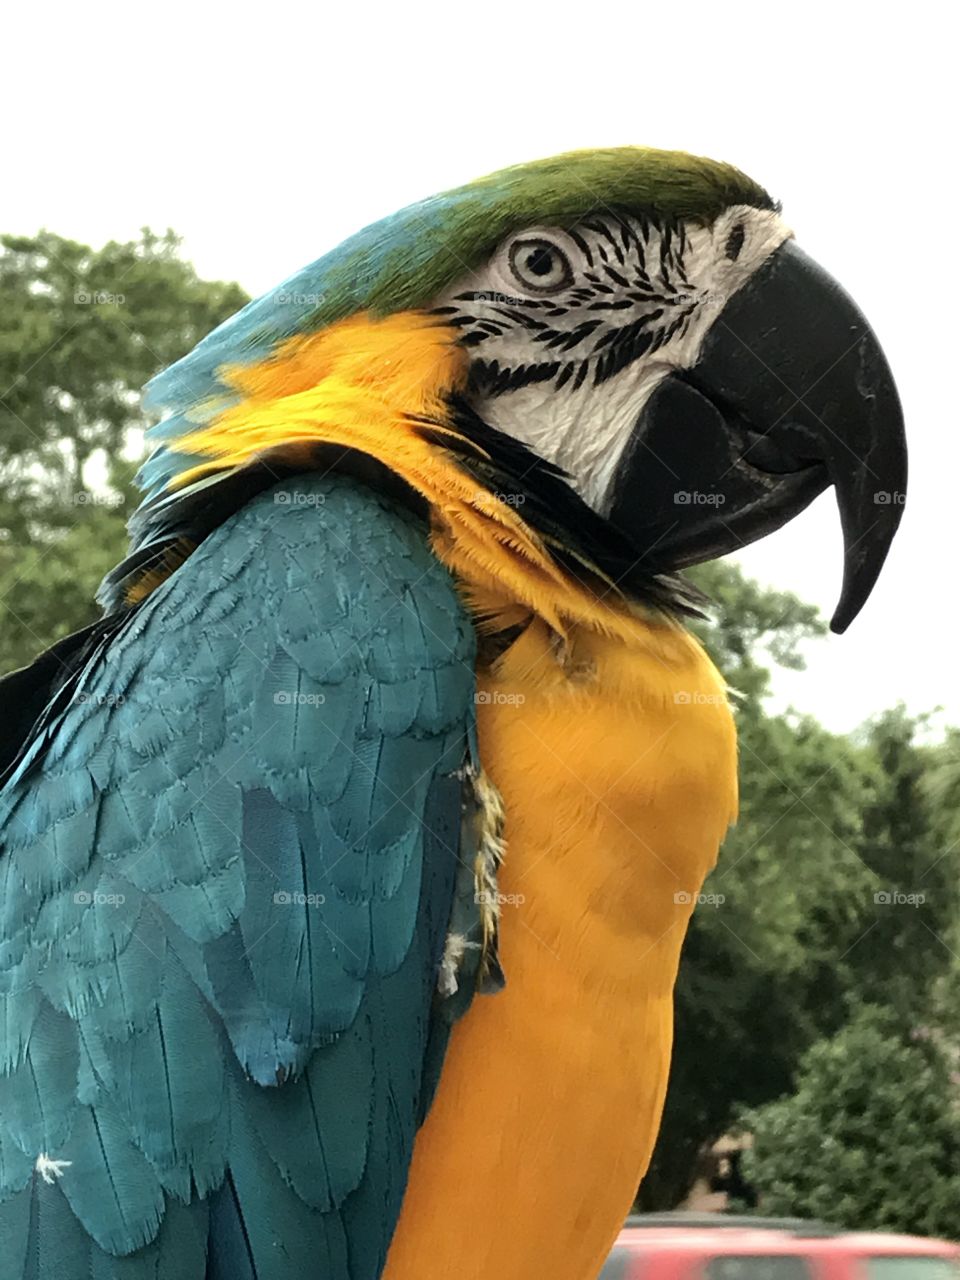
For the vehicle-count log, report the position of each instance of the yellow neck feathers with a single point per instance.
(360, 384)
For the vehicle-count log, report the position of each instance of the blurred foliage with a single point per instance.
(748, 625)
(870, 1139)
(81, 331)
(799, 938)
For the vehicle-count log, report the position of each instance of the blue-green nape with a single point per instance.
(225, 887)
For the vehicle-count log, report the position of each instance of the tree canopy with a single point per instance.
(81, 331)
(870, 1137)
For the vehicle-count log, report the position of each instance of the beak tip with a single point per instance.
(869, 525)
(839, 622)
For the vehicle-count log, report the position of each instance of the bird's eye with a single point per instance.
(540, 266)
(735, 242)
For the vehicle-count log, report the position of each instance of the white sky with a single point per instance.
(265, 135)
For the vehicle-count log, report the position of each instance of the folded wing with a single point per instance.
(228, 868)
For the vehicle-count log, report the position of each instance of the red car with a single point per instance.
(681, 1246)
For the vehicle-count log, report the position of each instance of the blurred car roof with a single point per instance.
(730, 1233)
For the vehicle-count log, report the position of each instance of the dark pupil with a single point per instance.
(540, 262)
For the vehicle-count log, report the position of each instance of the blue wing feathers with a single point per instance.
(227, 871)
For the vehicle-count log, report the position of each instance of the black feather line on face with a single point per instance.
(626, 263)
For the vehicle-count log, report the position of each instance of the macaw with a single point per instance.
(346, 860)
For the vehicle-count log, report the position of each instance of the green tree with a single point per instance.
(943, 786)
(912, 940)
(870, 1139)
(81, 330)
(748, 625)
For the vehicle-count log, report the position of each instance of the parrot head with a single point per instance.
(643, 322)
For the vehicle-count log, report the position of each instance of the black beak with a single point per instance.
(791, 393)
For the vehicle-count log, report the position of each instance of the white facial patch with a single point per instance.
(571, 330)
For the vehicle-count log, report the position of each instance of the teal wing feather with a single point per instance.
(229, 863)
